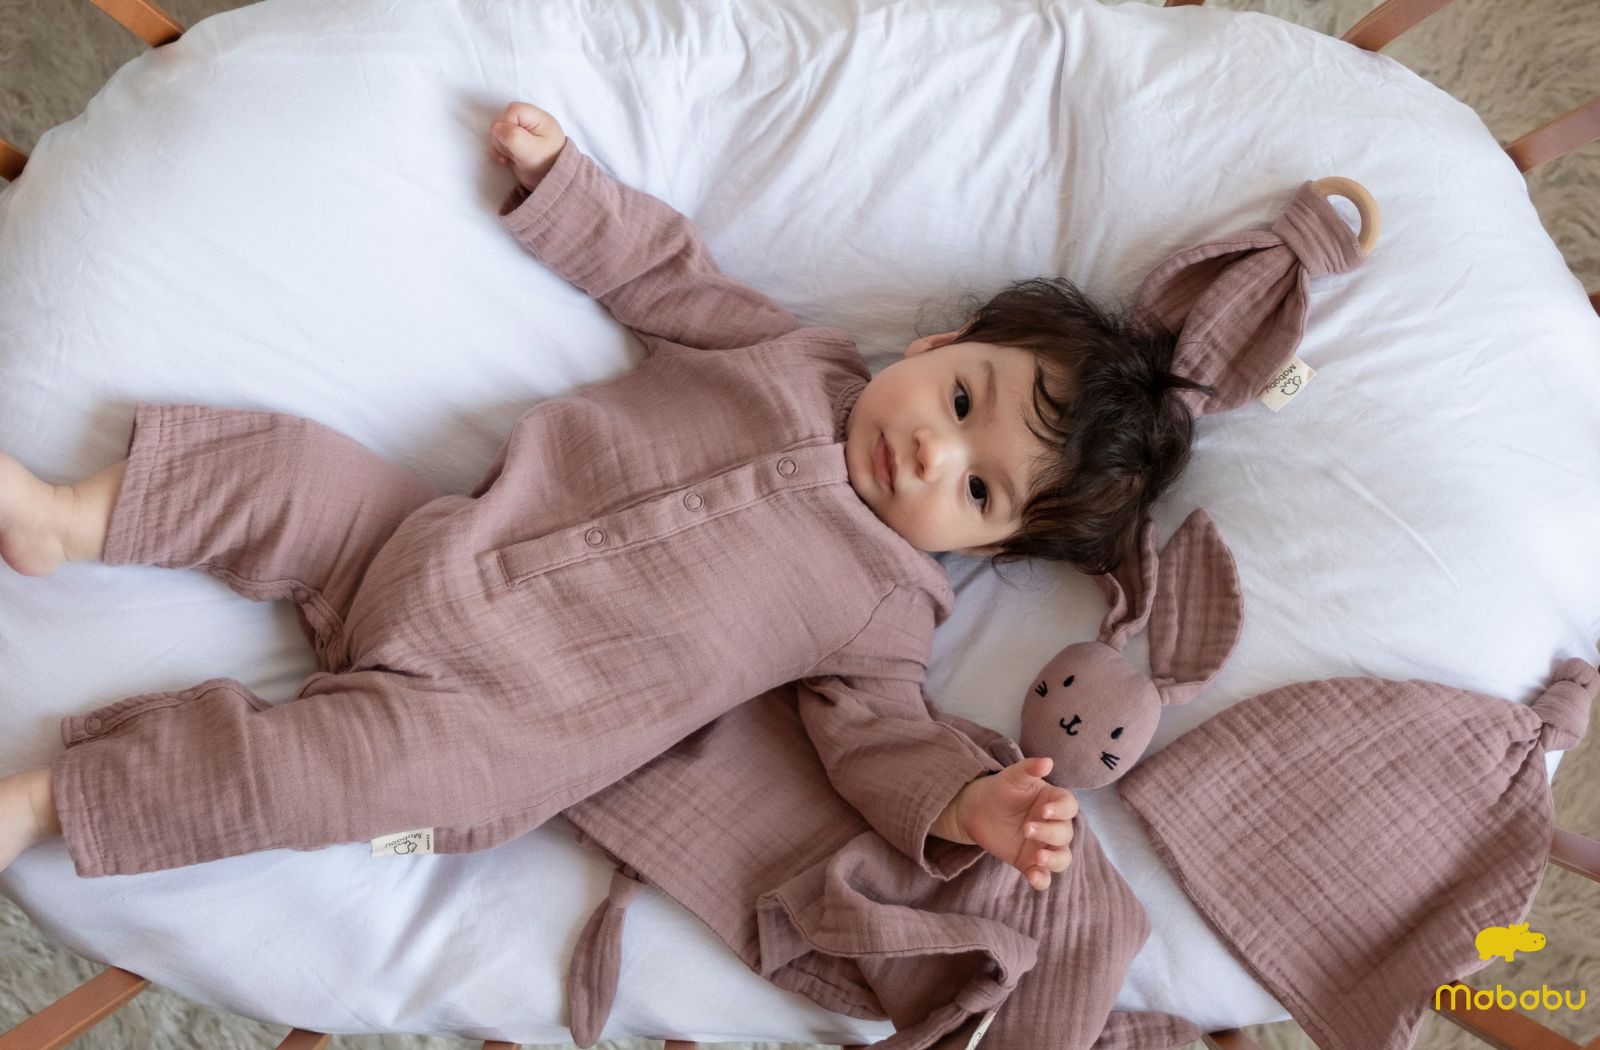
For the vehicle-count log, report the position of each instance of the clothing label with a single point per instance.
(983, 1029)
(403, 843)
(1289, 381)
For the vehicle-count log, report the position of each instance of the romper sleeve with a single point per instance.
(882, 747)
(639, 257)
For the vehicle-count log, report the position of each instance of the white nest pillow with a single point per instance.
(290, 208)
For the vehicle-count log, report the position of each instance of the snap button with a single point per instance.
(595, 537)
(92, 724)
(693, 501)
(787, 466)
(301, 594)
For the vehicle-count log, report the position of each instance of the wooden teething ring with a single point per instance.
(1366, 206)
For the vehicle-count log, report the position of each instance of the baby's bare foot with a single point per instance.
(33, 516)
(27, 813)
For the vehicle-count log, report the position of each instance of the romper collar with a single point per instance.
(843, 403)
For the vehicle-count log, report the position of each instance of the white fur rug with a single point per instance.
(1518, 65)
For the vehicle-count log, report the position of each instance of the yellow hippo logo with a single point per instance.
(1508, 941)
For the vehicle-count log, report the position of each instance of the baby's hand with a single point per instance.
(526, 139)
(1020, 818)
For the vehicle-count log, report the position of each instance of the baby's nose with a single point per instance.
(933, 454)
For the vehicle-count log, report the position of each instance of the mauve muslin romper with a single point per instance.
(644, 554)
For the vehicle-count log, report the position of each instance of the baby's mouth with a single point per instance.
(883, 462)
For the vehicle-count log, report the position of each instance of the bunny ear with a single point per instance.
(1197, 613)
(1130, 588)
(1238, 305)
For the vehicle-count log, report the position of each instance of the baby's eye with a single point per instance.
(979, 490)
(963, 402)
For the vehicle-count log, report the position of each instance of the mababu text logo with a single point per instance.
(1506, 941)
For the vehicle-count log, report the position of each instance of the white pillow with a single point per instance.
(291, 208)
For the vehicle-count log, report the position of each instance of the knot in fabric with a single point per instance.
(1564, 706)
(1316, 234)
(597, 959)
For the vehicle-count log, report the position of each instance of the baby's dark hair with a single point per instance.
(1107, 410)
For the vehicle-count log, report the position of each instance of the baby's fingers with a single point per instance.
(1046, 862)
(530, 117)
(1049, 832)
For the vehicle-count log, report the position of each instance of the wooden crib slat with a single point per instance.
(1229, 1039)
(1561, 136)
(1569, 849)
(76, 1012)
(300, 1039)
(1388, 20)
(496, 1044)
(12, 160)
(143, 19)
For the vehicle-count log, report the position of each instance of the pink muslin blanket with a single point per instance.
(1350, 838)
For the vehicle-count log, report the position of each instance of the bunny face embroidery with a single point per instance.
(1090, 710)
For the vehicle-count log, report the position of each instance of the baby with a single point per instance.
(748, 508)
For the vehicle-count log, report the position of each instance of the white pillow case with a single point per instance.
(290, 208)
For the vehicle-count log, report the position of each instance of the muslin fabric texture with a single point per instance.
(812, 899)
(740, 824)
(1349, 838)
(1239, 303)
(644, 554)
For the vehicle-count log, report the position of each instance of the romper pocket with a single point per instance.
(682, 508)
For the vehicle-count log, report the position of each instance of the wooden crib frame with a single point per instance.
(79, 1010)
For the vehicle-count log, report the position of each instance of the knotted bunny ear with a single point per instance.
(1564, 707)
(1239, 304)
(1130, 589)
(1198, 610)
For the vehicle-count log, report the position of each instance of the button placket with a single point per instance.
(656, 518)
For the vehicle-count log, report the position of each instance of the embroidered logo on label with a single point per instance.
(1290, 380)
(983, 1028)
(402, 843)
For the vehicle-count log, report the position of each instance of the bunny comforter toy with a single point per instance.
(1090, 710)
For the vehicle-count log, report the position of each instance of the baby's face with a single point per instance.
(951, 419)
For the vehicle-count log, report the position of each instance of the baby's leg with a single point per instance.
(277, 506)
(43, 525)
(172, 779)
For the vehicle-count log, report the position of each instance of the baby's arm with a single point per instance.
(632, 252)
(916, 779)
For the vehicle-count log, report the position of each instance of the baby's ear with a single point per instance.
(929, 342)
(1198, 610)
